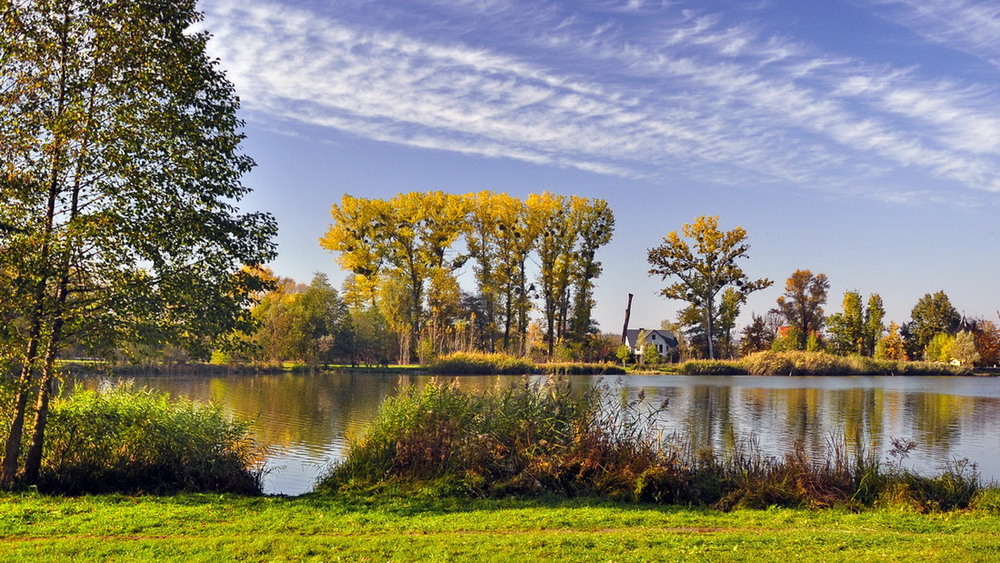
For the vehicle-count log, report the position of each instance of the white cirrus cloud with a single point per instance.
(972, 26)
(691, 96)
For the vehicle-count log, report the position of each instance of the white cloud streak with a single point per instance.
(690, 97)
(972, 26)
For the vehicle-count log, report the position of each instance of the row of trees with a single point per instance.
(704, 264)
(405, 252)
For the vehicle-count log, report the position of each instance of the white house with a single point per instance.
(663, 341)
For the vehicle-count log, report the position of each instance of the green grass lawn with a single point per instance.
(214, 528)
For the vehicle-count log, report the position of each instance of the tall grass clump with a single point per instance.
(572, 368)
(822, 363)
(712, 367)
(521, 438)
(479, 363)
(130, 441)
(545, 439)
(768, 363)
(987, 500)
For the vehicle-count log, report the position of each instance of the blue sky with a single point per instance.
(857, 138)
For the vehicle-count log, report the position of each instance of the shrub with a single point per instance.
(129, 441)
(955, 488)
(818, 363)
(478, 363)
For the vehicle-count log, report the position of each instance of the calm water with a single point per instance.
(308, 420)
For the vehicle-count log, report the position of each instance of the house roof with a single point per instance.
(632, 335)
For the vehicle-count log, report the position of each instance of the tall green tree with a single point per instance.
(275, 337)
(596, 227)
(120, 170)
(874, 324)
(703, 267)
(857, 329)
(321, 318)
(802, 305)
(932, 314)
(847, 328)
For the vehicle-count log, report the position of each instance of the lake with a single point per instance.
(307, 421)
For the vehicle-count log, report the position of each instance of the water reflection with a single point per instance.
(308, 420)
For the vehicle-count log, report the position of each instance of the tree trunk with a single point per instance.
(708, 328)
(12, 450)
(12, 446)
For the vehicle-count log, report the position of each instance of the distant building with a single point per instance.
(663, 341)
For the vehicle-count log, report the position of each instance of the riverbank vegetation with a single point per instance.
(816, 363)
(125, 440)
(316, 327)
(470, 363)
(540, 440)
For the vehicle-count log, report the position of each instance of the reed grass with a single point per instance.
(712, 367)
(573, 368)
(821, 363)
(480, 363)
(125, 440)
(538, 439)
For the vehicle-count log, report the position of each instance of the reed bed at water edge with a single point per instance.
(541, 439)
(481, 363)
(815, 363)
(126, 440)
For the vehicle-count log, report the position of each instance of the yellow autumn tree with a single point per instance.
(891, 346)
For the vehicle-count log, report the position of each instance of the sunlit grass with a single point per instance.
(213, 528)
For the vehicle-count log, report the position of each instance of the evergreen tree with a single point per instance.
(755, 337)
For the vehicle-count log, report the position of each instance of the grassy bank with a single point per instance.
(214, 528)
(480, 363)
(90, 368)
